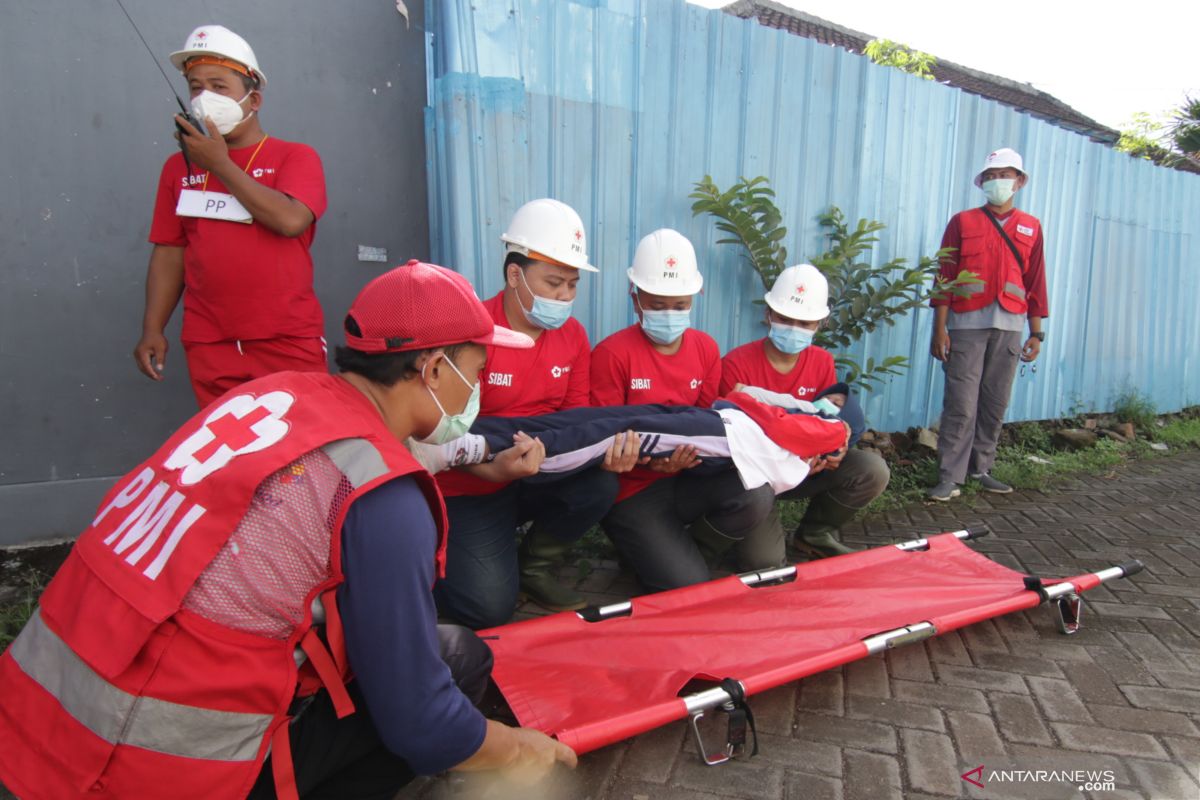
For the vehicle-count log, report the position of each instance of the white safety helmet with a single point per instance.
(1004, 157)
(665, 264)
(548, 230)
(221, 44)
(800, 292)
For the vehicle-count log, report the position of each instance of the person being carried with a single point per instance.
(232, 228)
(751, 440)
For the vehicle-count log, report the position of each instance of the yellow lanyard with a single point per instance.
(246, 169)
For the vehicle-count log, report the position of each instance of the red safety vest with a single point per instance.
(985, 253)
(140, 675)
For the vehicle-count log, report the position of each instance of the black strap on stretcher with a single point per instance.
(740, 716)
(730, 698)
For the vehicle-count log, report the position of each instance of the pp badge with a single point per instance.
(212, 205)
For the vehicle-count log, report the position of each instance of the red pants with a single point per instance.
(217, 367)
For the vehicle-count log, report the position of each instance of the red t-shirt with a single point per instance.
(245, 281)
(552, 376)
(627, 370)
(748, 364)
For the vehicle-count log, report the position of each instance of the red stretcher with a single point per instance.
(603, 674)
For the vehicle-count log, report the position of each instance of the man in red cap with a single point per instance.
(199, 640)
(233, 224)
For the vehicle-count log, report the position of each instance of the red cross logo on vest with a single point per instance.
(242, 424)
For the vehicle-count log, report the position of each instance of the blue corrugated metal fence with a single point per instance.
(617, 106)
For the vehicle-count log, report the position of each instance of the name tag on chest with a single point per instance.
(1025, 230)
(212, 205)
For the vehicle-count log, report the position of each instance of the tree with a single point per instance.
(902, 57)
(1184, 128)
(861, 296)
(1141, 138)
(1174, 142)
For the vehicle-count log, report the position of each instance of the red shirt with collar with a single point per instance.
(245, 281)
(748, 364)
(627, 370)
(552, 376)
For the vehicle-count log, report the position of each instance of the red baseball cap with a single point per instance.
(422, 306)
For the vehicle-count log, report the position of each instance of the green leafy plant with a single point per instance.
(747, 212)
(16, 610)
(1141, 138)
(894, 54)
(861, 296)
(1133, 406)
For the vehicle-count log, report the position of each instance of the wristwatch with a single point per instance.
(1039, 335)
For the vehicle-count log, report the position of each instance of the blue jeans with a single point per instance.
(481, 583)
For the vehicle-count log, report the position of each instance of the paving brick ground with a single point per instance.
(1122, 695)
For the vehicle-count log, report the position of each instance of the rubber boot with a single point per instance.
(819, 542)
(713, 544)
(538, 556)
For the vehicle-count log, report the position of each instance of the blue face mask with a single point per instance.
(664, 326)
(826, 406)
(790, 339)
(546, 314)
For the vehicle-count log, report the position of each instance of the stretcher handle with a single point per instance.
(975, 532)
(1132, 567)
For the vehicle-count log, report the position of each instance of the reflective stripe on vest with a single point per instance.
(1014, 289)
(358, 460)
(109, 712)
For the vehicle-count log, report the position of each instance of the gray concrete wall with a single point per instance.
(87, 125)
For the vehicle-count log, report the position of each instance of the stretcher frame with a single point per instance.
(1062, 598)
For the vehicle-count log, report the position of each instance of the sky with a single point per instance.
(1095, 56)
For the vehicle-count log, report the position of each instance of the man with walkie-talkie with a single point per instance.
(233, 222)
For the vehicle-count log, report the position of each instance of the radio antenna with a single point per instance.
(154, 58)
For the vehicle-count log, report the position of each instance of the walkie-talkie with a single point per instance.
(183, 109)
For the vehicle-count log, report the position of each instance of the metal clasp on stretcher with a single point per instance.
(1067, 605)
(735, 739)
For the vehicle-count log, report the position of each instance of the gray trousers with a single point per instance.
(979, 378)
(650, 529)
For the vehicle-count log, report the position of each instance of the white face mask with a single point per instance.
(998, 191)
(225, 112)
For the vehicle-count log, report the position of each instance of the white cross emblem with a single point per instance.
(242, 424)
